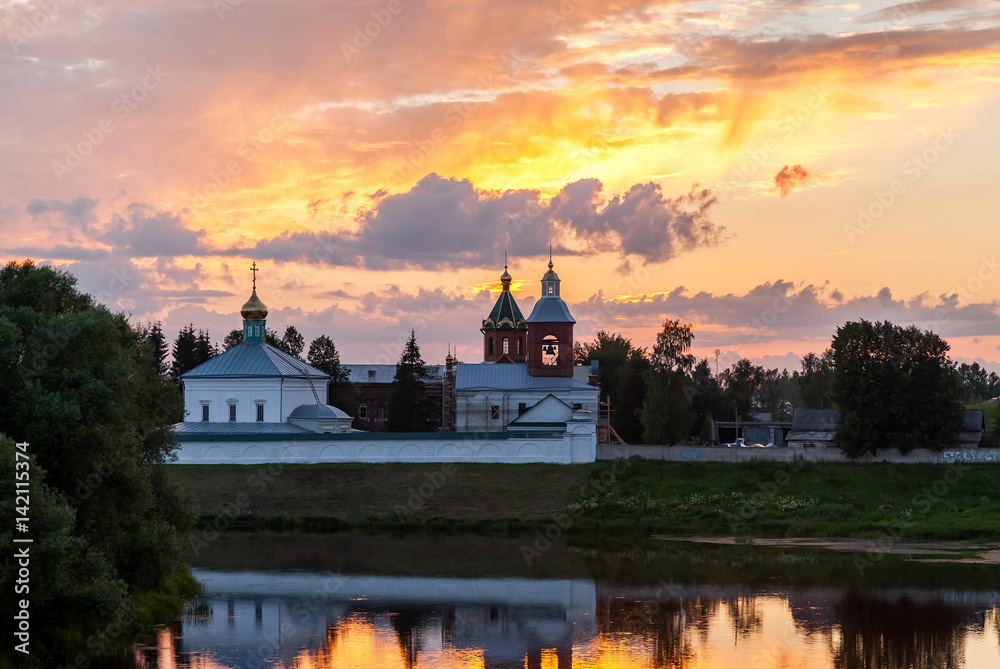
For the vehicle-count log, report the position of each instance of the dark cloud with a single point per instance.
(786, 179)
(144, 231)
(78, 212)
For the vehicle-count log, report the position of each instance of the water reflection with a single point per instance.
(307, 620)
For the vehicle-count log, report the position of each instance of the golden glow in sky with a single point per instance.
(766, 171)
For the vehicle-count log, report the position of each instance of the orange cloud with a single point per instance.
(786, 178)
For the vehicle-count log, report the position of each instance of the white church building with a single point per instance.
(256, 403)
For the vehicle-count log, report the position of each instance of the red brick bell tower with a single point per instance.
(550, 331)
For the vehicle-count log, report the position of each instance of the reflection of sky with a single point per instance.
(312, 620)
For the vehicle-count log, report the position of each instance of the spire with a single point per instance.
(505, 277)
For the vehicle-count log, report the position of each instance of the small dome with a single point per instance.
(316, 411)
(505, 278)
(550, 275)
(254, 309)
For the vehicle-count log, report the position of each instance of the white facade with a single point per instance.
(279, 397)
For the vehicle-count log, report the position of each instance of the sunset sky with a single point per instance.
(765, 171)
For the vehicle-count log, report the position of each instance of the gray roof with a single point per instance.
(207, 427)
(255, 359)
(488, 375)
(550, 310)
(383, 373)
(812, 420)
(316, 411)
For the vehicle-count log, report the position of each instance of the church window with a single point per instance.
(548, 289)
(204, 412)
(550, 350)
(506, 346)
(260, 412)
(520, 345)
(521, 407)
(380, 413)
(494, 412)
(363, 411)
(489, 345)
(232, 412)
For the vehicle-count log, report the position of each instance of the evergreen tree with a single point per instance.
(323, 356)
(204, 349)
(408, 405)
(185, 352)
(234, 338)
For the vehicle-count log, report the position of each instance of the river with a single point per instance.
(308, 602)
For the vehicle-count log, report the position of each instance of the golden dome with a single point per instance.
(254, 309)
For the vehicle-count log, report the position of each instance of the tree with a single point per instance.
(977, 382)
(666, 413)
(292, 342)
(408, 405)
(621, 371)
(191, 350)
(709, 400)
(671, 350)
(153, 337)
(742, 382)
(323, 356)
(234, 338)
(80, 385)
(895, 386)
(773, 393)
(815, 381)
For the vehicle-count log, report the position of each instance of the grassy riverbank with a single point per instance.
(606, 499)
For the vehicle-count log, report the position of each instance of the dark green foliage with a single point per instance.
(234, 338)
(742, 381)
(409, 408)
(895, 387)
(191, 350)
(323, 355)
(815, 381)
(621, 371)
(81, 385)
(977, 382)
(708, 402)
(152, 336)
(667, 417)
(292, 342)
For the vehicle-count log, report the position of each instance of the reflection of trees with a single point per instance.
(668, 623)
(407, 624)
(746, 618)
(878, 634)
